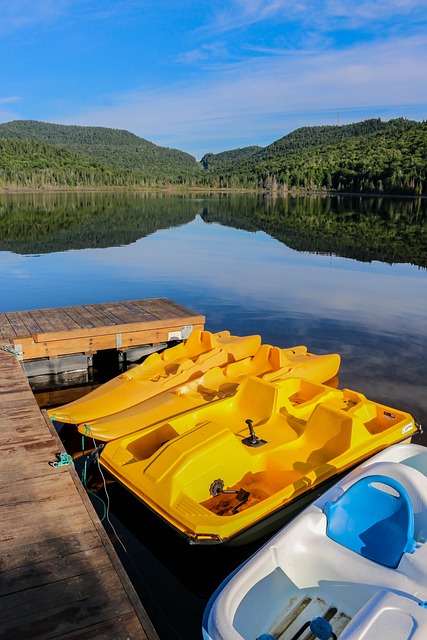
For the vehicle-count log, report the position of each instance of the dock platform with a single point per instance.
(60, 575)
(50, 333)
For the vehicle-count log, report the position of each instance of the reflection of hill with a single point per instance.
(365, 229)
(45, 223)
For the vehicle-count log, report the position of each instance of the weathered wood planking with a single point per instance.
(60, 576)
(42, 333)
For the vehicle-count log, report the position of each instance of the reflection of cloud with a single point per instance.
(257, 268)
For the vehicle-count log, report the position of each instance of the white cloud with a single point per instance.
(9, 99)
(241, 14)
(255, 98)
(23, 13)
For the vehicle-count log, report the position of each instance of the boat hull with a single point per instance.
(269, 363)
(302, 573)
(202, 351)
(210, 479)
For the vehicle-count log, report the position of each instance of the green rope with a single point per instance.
(92, 493)
(84, 472)
(62, 459)
(9, 349)
(86, 433)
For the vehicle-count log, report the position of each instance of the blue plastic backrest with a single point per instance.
(375, 523)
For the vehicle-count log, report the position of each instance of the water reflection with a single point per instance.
(283, 268)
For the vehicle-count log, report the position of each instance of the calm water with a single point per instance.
(342, 275)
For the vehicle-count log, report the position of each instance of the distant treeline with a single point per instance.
(367, 157)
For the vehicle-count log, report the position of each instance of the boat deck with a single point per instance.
(49, 333)
(60, 576)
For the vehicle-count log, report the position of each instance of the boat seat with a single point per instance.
(327, 434)
(261, 359)
(371, 520)
(256, 398)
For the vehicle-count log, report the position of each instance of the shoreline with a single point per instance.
(179, 190)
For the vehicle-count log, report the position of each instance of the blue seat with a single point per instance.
(373, 522)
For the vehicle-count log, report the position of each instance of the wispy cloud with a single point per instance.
(23, 13)
(210, 78)
(205, 52)
(9, 99)
(241, 14)
(256, 98)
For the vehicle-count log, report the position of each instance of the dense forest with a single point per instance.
(367, 157)
(103, 146)
(370, 157)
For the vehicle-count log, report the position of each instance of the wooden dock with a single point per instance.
(49, 333)
(60, 575)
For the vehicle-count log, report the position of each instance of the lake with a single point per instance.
(337, 274)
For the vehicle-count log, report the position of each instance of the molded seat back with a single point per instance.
(372, 520)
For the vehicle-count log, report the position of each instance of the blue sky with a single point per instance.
(209, 76)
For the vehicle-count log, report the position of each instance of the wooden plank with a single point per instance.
(137, 313)
(60, 319)
(142, 615)
(42, 320)
(127, 627)
(112, 330)
(124, 315)
(100, 342)
(31, 325)
(158, 308)
(108, 310)
(17, 325)
(6, 330)
(49, 549)
(96, 312)
(51, 609)
(144, 337)
(25, 461)
(54, 569)
(81, 316)
(61, 577)
(180, 310)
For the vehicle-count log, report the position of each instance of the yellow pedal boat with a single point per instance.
(235, 469)
(176, 365)
(270, 363)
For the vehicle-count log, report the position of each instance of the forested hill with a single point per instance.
(113, 147)
(366, 157)
(235, 156)
(374, 157)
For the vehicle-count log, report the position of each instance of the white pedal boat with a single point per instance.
(352, 565)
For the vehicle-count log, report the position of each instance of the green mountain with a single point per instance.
(228, 158)
(370, 157)
(113, 147)
(366, 157)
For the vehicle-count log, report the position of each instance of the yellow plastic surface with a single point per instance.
(311, 432)
(176, 365)
(270, 363)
